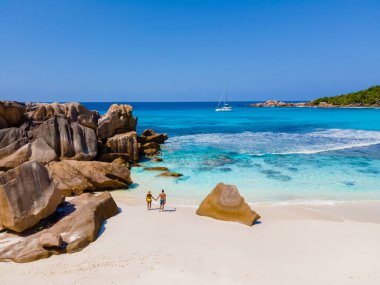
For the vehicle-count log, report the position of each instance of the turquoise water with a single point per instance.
(271, 154)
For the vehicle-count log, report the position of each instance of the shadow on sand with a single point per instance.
(165, 210)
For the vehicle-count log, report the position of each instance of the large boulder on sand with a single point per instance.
(11, 113)
(124, 143)
(69, 139)
(76, 112)
(27, 195)
(118, 119)
(225, 203)
(38, 151)
(76, 222)
(75, 177)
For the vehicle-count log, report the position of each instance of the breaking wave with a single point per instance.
(262, 143)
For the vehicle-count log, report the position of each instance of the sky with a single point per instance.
(186, 50)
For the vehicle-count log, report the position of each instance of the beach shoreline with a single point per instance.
(290, 245)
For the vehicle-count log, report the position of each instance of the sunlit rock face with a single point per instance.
(74, 111)
(27, 195)
(225, 203)
(74, 225)
(69, 139)
(124, 143)
(75, 177)
(118, 119)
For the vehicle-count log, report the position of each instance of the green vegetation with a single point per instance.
(368, 97)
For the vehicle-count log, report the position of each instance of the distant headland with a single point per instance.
(363, 98)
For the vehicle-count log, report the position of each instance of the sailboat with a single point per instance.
(223, 97)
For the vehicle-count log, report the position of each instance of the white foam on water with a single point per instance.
(261, 143)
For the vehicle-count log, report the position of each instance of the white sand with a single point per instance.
(293, 245)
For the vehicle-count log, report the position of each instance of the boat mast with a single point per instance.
(225, 97)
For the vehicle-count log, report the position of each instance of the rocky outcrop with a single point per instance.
(170, 174)
(69, 139)
(76, 222)
(75, 177)
(225, 203)
(110, 157)
(275, 103)
(38, 151)
(156, 168)
(118, 119)
(50, 240)
(124, 143)
(11, 114)
(12, 139)
(150, 142)
(76, 112)
(150, 135)
(326, 105)
(27, 195)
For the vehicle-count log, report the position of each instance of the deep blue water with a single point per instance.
(271, 154)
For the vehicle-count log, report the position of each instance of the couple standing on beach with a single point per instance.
(149, 198)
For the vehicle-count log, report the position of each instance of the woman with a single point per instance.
(149, 198)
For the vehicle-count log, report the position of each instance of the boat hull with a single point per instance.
(223, 109)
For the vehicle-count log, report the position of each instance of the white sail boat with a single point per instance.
(223, 97)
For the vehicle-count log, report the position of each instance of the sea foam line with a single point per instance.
(262, 143)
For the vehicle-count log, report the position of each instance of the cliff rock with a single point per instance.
(69, 139)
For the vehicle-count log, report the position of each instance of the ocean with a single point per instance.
(273, 155)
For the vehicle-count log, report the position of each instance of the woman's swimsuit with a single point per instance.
(149, 197)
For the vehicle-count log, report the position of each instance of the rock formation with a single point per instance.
(75, 177)
(150, 142)
(50, 240)
(38, 151)
(118, 119)
(76, 222)
(124, 143)
(11, 139)
(225, 203)
(69, 139)
(110, 157)
(66, 138)
(156, 168)
(170, 174)
(11, 114)
(275, 103)
(76, 112)
(27, 195)
(150, 135)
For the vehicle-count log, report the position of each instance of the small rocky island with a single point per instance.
(52, 151)
(364, 98)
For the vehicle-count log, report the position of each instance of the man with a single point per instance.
(162, 200)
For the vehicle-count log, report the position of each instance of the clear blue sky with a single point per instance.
(186, 50)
